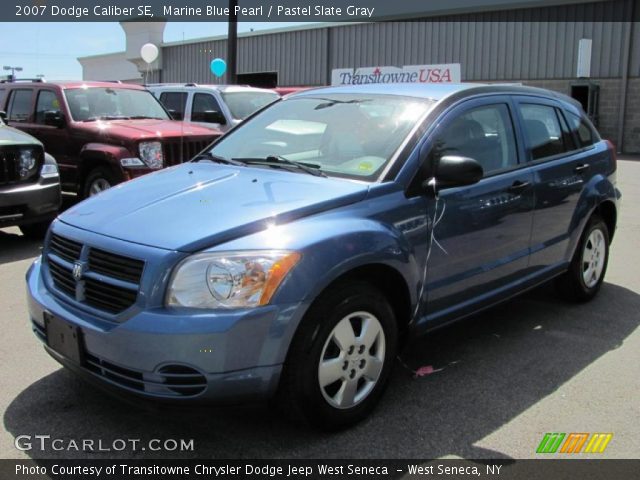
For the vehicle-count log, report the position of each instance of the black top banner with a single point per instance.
(278, 10)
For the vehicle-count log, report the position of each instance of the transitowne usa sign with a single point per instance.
(440, 73)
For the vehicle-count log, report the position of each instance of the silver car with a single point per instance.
(215, 106)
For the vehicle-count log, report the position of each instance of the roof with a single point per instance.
(80, 84)
(434, 91)
(195, 86)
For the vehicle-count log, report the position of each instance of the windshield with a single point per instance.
(94, 103)
(243, 104)
(351, 136)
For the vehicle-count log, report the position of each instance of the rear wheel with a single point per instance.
(98, 180)
(586, 273)
(340, 358)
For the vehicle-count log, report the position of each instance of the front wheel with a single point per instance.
(586, 273)
(98, 180)
(341, 357)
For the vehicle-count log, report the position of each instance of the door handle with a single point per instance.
(583, 167)
(518, 186)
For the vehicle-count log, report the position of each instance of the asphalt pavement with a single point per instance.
(503, 379)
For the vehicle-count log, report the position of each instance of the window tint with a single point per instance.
(174, 101)
(20, 105)
(543, 132)
(485, 134)
(582, 130)
(47, 102)
(202, 103)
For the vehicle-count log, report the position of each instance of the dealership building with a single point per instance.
(587, 49)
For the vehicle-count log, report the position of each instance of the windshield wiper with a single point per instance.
(331, 102)
(278, 161)
(218, 159)
(144, 117)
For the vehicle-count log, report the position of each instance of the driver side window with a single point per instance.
(483, 133)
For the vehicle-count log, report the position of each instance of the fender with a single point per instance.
(334, 246)
(596, 191)
(111, 153)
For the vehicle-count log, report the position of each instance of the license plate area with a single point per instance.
(64, 338)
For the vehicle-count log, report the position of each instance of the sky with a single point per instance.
(51, 49)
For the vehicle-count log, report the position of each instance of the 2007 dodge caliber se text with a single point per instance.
(290, 257)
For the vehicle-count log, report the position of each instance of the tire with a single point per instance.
(98, 180)
(589, 264)
(362, 357)
(35, 231)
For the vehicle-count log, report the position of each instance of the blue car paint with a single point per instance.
(338, 226)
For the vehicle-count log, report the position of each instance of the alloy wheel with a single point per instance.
(593, 258)
(352, 359)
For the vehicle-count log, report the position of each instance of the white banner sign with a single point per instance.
(442, 73)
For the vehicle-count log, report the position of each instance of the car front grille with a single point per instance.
(117, 266)
(177, 151)
(10, 165)
(65, 248)
(103, 280)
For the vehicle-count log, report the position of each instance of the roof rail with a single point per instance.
(24, 80)
(174, 84)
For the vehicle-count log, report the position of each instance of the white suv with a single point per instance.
(215, 106)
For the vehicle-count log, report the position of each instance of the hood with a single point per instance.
(12, 136)
(143, 129)
(194, 206)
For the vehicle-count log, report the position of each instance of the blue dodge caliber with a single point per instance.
(289, 258)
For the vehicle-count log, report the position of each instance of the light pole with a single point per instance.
(13, 70)
(232, 43)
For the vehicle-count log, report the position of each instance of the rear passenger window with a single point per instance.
(484, 134)
(582, 130)
(174, 102)
(20, 105)
(542, 129)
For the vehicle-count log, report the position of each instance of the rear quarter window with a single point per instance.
(583, 132)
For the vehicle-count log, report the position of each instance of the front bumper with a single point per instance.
(23, 204)
(228, 357)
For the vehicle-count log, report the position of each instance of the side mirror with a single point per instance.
(176, 115)
(3, 115)
(456, 171)
(54, 118)
(211, 116)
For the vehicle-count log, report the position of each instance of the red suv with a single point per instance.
(100, 133)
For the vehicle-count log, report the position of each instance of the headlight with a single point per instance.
(229, 280)
(49, 170)
(26, 163)
(151, 154)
